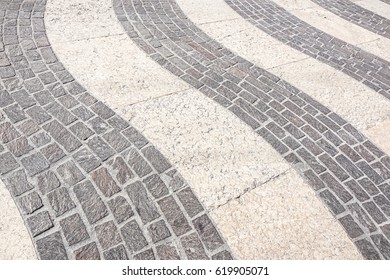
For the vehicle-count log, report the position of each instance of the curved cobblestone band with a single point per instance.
(357, 15)
(386, 1)
(365, 67)
(87, 184)
(348, 172)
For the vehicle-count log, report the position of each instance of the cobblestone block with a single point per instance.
(62, 136)
(52, 153)
(156, 186)
(383, 244)
(60, 201)
(193, 247)
(117, 253)
(383, 203)
(35, 163)
(108, 235)
(224, 255)
(51, 247)
(374, 212)
(30, 203)
(156, 159)
(19, 147)
(7, 132)
(39, 223)
(86, 160)
(144, 205)
(74, 229)
(174, 215)
(331, 201)
(102, 110)
(40, 139)
(135, 137)
(116, 140)
(61, 113)
(138, 164)
(15, 113)
(362, 217)
(122, 171)
(120, 208)
(87, 252)
(158, 231)
(133, 236)
(207, 232)
(190, 202)
(81, 131)
(90, 201)
(70, 173)
(104, 181)
(350, 226)
(100, 148)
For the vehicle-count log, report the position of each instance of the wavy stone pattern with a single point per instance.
(367, 68)
(87, 184)
(357, 15)
(349, 173)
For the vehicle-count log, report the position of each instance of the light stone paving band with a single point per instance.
(349, 173)
(357, 15)
(367, 68)
(87, 184)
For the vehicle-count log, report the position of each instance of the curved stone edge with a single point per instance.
(365, 67)
(88, 185)
(339, 162)
(357, 15)
(386, 1)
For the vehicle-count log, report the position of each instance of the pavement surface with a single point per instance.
(190, 129)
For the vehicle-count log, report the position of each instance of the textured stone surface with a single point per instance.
(87, 252)
(120, 208)
(52, 247)
(133, 236)
(108, 235)
(74, 229)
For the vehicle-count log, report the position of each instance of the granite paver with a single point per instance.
(322, 146)
(74, 166)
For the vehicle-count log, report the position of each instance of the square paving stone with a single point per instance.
(174, 215)
(17, 183)
(144, 205)
(38, 114)
(100, 148)
(116, 140)
(40, 139)
(207, 232)
(87, 252)
(156, 159)
(86, 160)
(35, 163)
(190, 202)
(133, 236)
(19, 147)
(30, 203)
(108, 235)
(74, 229)
(60, 201)
(92, 204)
(104, 181)
(156, 186)
(117, 253)
(70, 173)
(120, 208)
(83, 113)
(193, 247)
(8, 132)
(51, 247)
(135, 137)
(138, 164)
(15, 113)
(102, 110)
(39, 223)
(7, 163)
(47, 182)
(81, 131)
(62, 136)
(118, 123)
(53, 153)
(159, 231)
(98, 125)
(167, 252)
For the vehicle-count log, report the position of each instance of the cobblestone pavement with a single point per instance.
(87, 184)
(365, 67)
(358, 15)
(386, 1)
(348, 172)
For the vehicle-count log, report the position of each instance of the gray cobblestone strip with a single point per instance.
(348, 172)
(386, 1)
(357, 15)
(88, 185)
(365, 67)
